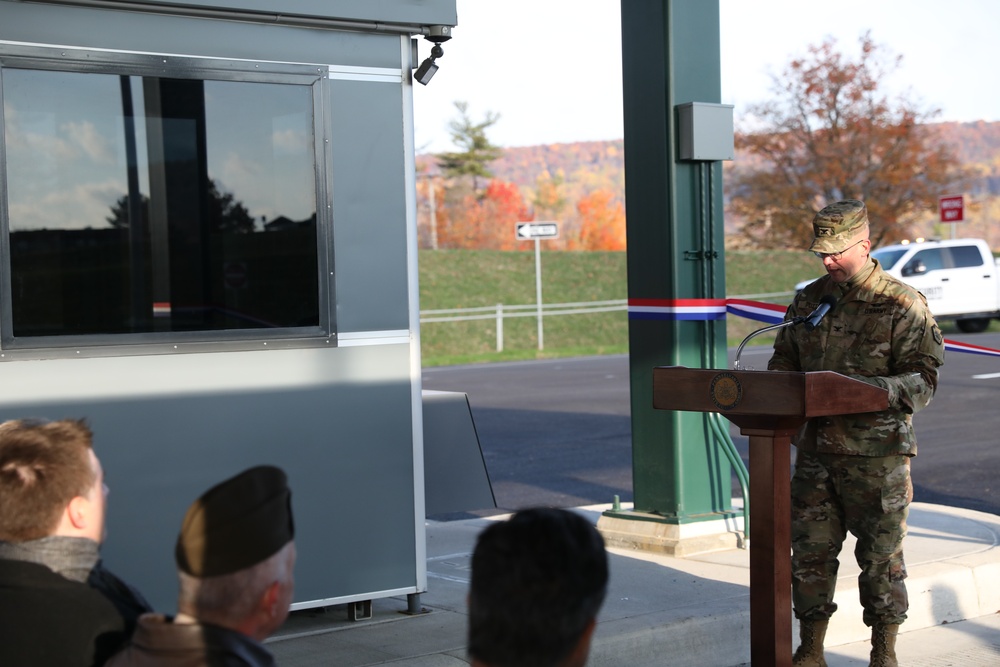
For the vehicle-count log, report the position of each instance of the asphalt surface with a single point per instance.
(554, 433)
(558, 432)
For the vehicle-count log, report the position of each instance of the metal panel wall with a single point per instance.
(370, 255)
(168, 427)
(145, 33)
(344, 422)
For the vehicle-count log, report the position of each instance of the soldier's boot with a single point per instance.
(884, 646)
(810, 650)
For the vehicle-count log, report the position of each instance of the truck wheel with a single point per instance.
(974, 325)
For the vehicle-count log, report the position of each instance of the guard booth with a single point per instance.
(208, 250)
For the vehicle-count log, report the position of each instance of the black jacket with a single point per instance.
(47, 619)
(129, 602)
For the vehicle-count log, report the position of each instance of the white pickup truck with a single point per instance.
(959, 277)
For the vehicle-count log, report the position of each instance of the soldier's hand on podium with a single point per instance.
(908, 392)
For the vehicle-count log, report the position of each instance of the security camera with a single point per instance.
(438, 33)
(426, 71)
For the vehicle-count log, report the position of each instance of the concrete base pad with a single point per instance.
(679, 540)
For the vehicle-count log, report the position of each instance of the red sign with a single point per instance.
(952, 208)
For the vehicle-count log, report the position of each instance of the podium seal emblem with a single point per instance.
(727, 392)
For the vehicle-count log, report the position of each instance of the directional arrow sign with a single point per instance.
(526, 231)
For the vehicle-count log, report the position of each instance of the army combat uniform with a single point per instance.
(852, 472)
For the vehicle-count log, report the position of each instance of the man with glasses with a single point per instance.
(852, 472)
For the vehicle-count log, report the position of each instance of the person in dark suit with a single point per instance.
(52, 514)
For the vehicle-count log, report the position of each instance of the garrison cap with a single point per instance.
(236, 524)
(839, 226)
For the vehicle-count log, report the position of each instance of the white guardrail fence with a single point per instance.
(500, 311)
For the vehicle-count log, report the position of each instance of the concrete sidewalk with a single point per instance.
(667, 611)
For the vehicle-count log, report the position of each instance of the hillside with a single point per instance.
(595, 163)
(585, 167)
(978, 146)
(570, 277)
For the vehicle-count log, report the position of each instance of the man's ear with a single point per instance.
(269, 600)
(260, 622)
(77, 513)
(581, 651)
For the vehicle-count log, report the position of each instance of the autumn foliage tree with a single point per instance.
(486, 221)
(602, 221)
(830, 133)
(471, 216)
(549, 199)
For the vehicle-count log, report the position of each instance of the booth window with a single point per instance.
(139, 203)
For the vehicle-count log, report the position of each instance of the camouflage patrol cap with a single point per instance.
(839, 226)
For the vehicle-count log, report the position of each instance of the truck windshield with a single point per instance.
(888, 257)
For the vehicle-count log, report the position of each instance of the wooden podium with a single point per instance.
(769, 407)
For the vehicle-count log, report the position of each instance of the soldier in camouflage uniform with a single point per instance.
(852, 472)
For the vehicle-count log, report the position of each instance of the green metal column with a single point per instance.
(670, 50)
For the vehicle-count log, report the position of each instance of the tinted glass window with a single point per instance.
(146, 204)
(932, 259)
(966, 255)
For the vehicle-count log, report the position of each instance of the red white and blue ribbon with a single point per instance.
(676, 309)
(769, 313)
(956, 346)
(703, 309)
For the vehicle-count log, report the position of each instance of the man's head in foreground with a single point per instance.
(51, 482)
(538, 582)
(236, 554)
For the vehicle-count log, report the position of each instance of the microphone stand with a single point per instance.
(772, 327)
(826, 304)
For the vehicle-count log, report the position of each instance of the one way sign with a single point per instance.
(526, 231)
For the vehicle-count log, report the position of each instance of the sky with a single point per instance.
(552, 68)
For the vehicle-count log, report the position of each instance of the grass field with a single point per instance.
(475, 278)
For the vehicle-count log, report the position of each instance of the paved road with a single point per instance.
(558, 432)
(552, 432)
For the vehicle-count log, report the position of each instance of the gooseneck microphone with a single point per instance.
(811, 321)
(824, 307)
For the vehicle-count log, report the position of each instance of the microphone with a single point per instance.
(811, 321)
(824, 307)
